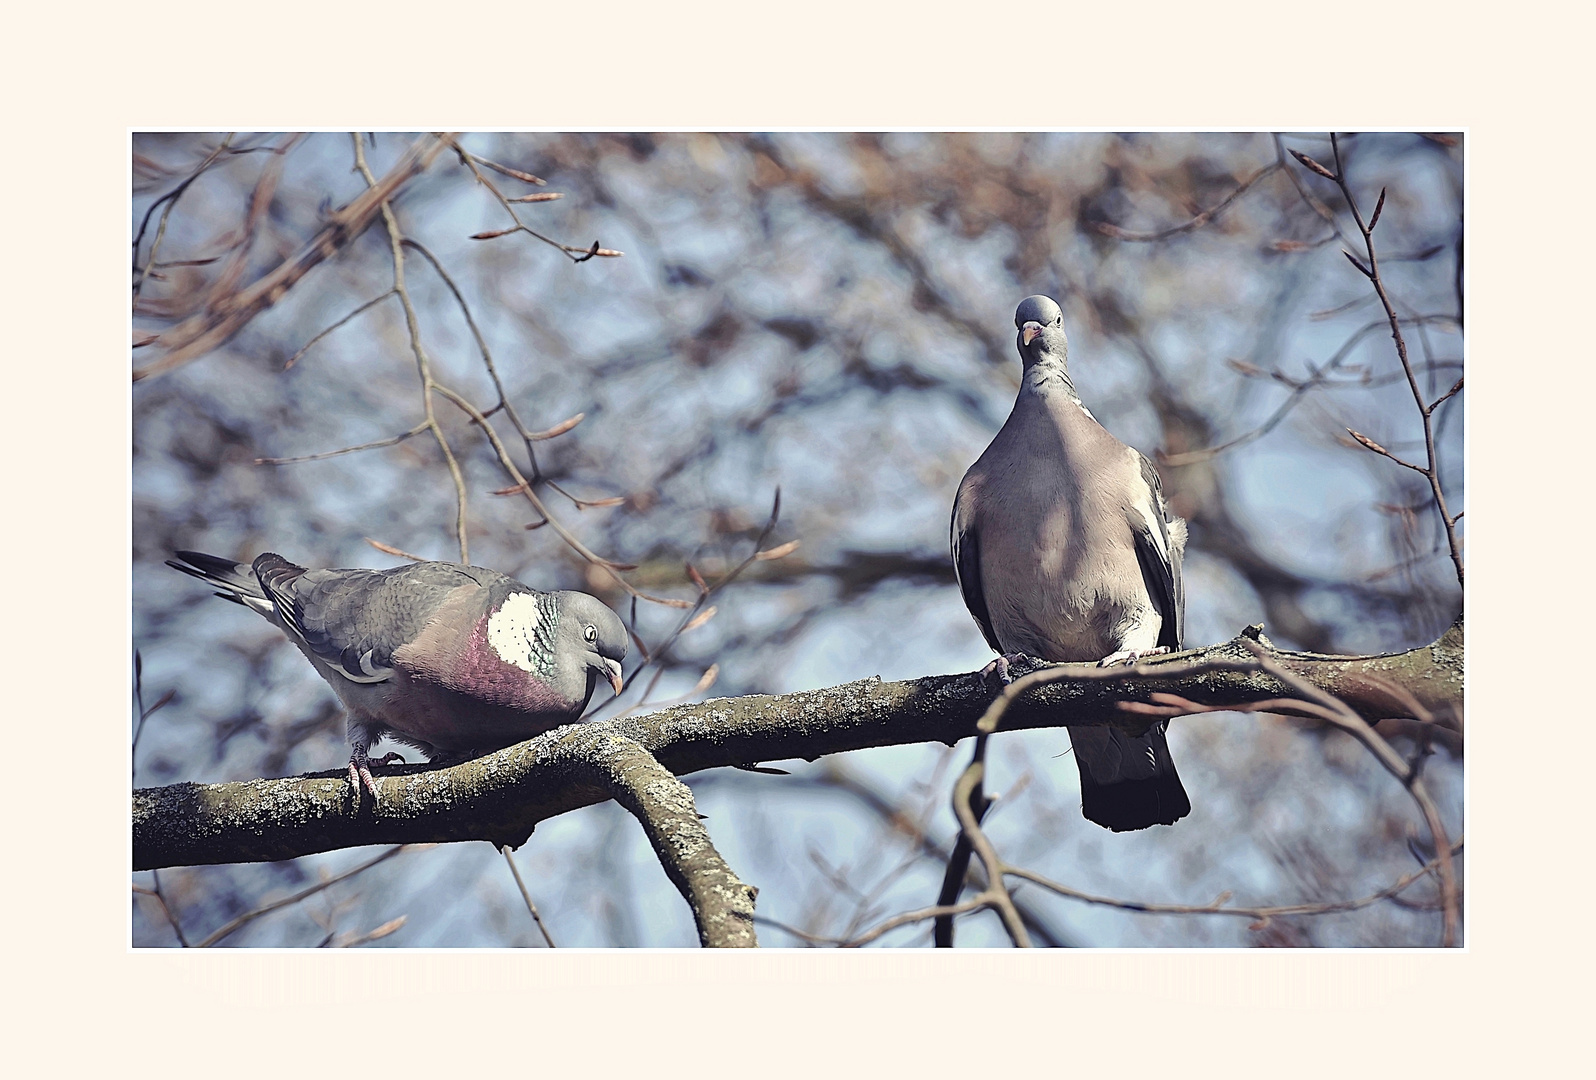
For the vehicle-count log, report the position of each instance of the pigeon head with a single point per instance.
(590, 631)
(1041, 331)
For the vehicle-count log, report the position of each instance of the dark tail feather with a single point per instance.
(1128, 781)
(237, 578)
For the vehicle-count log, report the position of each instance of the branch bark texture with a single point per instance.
(501, 797)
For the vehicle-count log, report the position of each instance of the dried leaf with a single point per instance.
(669, 602)
(1378, 206)
(529, 526)
(381, 932)
(507, 171)
(700, 619)
(515, 490)
(537, 196)
(614, 500)
(558, 429)
(166, 699)
(698, 579)
(778, 551)
(705, 681)
(1364, 440)
(387, 549)
(620, 565)
(1290, 245)
(1309, 163)
(491, 233)
(1250, 370)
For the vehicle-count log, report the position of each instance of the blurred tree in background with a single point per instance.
(830, 315)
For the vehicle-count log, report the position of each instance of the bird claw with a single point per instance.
(1000, 667)
(1130, 656)
(360, 772)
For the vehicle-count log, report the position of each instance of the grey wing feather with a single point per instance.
(967, 569)
(355, 619)
(1160, 560)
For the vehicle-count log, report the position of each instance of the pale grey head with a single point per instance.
(1041, 332)
(590, 631)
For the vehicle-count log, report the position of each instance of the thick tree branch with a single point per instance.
(723, 907)
(501, 797)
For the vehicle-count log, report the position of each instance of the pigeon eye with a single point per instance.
(590, 635)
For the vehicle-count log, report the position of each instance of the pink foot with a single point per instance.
(1130, 656)
(360, 771)
(1001, 665)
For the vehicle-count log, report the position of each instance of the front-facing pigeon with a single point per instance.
(440, 656)
(1065, 551)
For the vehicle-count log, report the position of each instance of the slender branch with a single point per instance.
(958, 868)
(1370, 268)
(1359, 728)
(222, 319)
(1303, 698)
(996, 895)
(1221, 907)
(170, 199)
(526, 896)
(487, 356)
(470, 161)
(392, 440)
(303, 349)
(1317, 377)
(234, 925)
(1195, 223)
(531, 496)
(423, 362)
(166, 908)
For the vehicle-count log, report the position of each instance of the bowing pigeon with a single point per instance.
(1065, 551)
(437, 655)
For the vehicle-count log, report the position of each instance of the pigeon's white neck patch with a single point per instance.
(513, 631)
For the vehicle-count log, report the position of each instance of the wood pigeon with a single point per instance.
(1065, 551)
(436, 655)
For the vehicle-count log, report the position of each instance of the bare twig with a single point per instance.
(303, 349)
(170, 199)
(166, 908)
(1317, 377)
(373, 935)
(393, 440)
(248, 917)
(199, 334)
(1196, 222)
(572, 252)
(1221, 906)
(1369, 266)
(996, 895)
(526, 896)
(423, 362)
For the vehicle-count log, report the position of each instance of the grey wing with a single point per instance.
(1160, 541)
(355, 619)
(966, 544)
